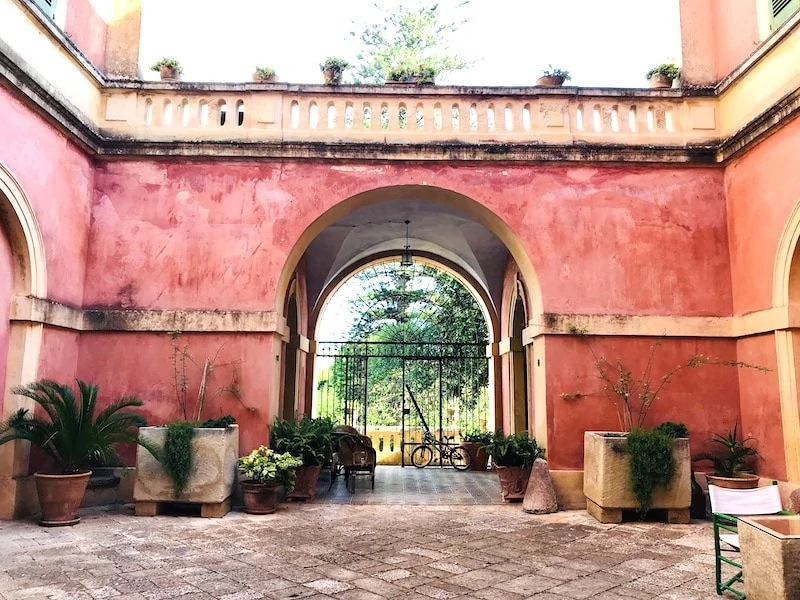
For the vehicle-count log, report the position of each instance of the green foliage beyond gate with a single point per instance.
(409, 326)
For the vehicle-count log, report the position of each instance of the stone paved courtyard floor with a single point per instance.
(318, 550)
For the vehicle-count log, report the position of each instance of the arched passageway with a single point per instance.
(444, 227)
(22, 276)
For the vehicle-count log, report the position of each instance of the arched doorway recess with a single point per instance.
(519, 368)
(20, 341)
(445, 225)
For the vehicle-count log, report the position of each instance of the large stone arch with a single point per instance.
(450, 199)
(439, 195)
(19, 224)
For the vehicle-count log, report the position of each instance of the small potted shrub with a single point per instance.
(74, 435)
(513, 458)
(333, 68)
(266, 471)
(310, 440)
(169, 69)
(663, 75)
(264, 75)
(731, 460)
(475, 443)
(418, 74)
(553, 77)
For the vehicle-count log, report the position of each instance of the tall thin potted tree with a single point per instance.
(73, 437)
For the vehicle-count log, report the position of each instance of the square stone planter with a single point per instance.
(211, 483)
(770, 557)
(606, 479)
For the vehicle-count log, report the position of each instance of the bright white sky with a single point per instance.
(605, 43)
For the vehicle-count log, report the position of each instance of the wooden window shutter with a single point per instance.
(781, 11)
(49, 6)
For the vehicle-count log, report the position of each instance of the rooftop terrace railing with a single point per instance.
(407, 114)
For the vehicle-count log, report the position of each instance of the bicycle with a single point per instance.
(422, 455)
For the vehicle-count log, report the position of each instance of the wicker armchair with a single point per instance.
(353, 455)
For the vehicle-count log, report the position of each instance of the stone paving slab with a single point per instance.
(313, 551)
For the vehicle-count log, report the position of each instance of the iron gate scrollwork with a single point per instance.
(363, 384)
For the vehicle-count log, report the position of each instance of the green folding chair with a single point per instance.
(726, 506)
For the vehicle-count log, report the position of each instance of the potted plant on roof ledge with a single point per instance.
(332, 69)
(417, 73)
(169, 69)
(662, 76)
(553, 77)
(264, 75)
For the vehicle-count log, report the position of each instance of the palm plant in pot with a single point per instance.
(266, 471)
(475, 443)
(513, 457)
(74, 435)
(310, 440)
(732, 459)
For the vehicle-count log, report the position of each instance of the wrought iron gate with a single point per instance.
(363, 384)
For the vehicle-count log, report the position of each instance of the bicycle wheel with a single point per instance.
(421, 456)
(460, 458)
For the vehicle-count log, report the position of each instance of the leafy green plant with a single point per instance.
(478, 436)
(651, 463)
(407, 36)
(333, 67)
(178, 458)
(553, 72)
(669, 70)
(171, 63)
(72, 434)
(309, 439)
(673, 430)
(732, 454)
(515, 450)
(421, 72)
(265, 73)
(264, 465)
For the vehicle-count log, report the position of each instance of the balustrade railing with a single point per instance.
(416, 116)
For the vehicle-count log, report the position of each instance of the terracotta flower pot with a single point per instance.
(478, 454)
(168, 73)
(332, 77)
(60, 497)
(259, 79)
(513, 481)
(260, 498)
(550, 81)
(660, 81)
(741, 481)
(305, 484)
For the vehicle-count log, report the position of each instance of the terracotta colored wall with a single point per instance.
(736, 33)
(57, 179)
(760, 404)
(705, 399)
(140, 364)
(87, 30)
(603, 240)
(760, 189)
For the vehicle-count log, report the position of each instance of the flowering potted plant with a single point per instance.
(266, 471)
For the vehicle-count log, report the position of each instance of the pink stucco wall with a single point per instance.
(760, 189)
(6, 293)
(57, 179)
(735, 30)
(630, 241)
(87, 30)
(704, 398)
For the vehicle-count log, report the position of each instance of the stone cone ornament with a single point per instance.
(540, 497)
